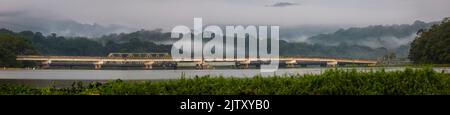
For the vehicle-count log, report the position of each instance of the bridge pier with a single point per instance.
(332, 64)
(258, 65)
(98, 65)
(201, 65)
(46, 64)
(291, 63)
(149, 65)
(244, 64)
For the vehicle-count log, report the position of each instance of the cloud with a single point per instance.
(282, 4)
(11, 13)
(166, 14)
(22, 20)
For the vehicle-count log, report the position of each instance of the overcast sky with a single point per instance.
(169, 13)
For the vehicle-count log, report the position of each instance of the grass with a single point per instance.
(423, 81)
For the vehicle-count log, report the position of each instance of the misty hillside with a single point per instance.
(290, 34)
(63, 27)
(303, 32)
(377, 36)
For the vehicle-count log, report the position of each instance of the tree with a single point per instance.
(432, 45)
(12, 45)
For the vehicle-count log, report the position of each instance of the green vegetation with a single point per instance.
(80, 46)
(12, 45)
(432, 45)
(423, 81)
(342, 50)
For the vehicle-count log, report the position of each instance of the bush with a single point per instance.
(423, 81)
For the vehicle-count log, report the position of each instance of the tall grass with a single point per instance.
(424, 81)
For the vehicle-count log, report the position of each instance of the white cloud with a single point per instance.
(169, 13)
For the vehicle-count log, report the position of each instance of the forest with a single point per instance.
(432, 45)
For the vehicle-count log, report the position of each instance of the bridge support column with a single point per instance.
(149, 65)
(244, 64)
(291, 63)
(332, 64)
(46, 64)
(258, 65)
(98, 65)
(201, 65)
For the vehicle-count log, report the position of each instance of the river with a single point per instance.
(165, 74)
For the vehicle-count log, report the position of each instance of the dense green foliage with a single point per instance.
(332, 82)
(79, 46)
(432, 45)
(342, 50)
(12, 45)
(31, 43)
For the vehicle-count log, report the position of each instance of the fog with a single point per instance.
(23, 21)
(389, 42)
(166, 14)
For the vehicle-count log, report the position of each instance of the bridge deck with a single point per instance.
(168, 59)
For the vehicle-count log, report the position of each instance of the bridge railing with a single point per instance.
(169, 57)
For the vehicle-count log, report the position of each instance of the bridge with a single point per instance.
(148, 60)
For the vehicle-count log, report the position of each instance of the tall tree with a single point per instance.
(432, 45)
(12, 45)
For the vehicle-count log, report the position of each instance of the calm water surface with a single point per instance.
(163, 74)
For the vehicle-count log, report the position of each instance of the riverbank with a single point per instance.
(224, 68)
(62, 75)
(423, 81)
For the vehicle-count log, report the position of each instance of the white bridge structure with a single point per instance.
(148, 60)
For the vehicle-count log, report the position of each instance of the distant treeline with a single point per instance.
(11, 45)
(135, 42)
(432, 45)
(81, 46)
